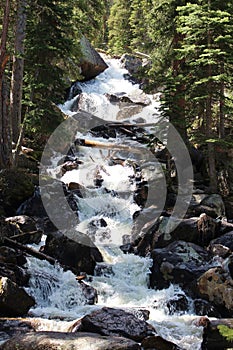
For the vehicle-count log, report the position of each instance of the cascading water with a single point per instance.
(122, 280)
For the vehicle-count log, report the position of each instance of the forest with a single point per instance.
(190, 49)
(110, 238)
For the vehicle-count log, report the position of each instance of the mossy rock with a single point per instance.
(15, 187)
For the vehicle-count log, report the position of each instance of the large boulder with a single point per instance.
(68, 341)
(110, 321)
(78, 257)
(91, 63)
(218, 334)
(198, 230)
(178, 263)
(216, 285)
(14, 300)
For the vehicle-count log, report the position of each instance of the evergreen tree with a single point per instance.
(120, 34)
(139, 23)
(206, 48)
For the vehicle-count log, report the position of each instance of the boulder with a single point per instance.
(178, 263)
(218, 335)
(10, 327)
(91, 63)
(109, 321)
(53, 191)
(215, 202)
(225, 240)
(136, 96)
(14, 300)
(178, 304)
(16, 186)
(25, 229)
(204, 308)
(132, 63)
(157, 342)
(199, 230)
(11, 265)
(216, 285)
(78, 257)
(68, 341)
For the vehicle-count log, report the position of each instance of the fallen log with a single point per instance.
(33, 252)
(218, 334)
(109, 145)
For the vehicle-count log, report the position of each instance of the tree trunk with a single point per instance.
(17, 70)
(209, 121)
(222, 105)
(5, 130)
(178, 118)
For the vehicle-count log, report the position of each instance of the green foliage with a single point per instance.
(226, 332)
(120, 33)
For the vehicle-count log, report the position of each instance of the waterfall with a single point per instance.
(122, 279)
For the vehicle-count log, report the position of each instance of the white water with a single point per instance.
(124, 278)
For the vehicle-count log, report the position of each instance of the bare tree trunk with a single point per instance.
(5, 130)
(17, 70)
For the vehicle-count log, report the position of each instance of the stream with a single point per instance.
(122, 279)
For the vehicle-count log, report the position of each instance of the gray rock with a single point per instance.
(78, 257)
(110, 321)
(68, 341)
(179, 263)
(14, 300)
(91, 62)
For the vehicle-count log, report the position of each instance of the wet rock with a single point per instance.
(216, 285)
(10, 327)
(11, 256)
(225, 240)
(90, 293)
(179, 304)
(78, 257)
(22, 223)
(128, 111)
(14, 301)
(135, 97)
(109, 321)
(68, 341)
(15, 273)
(205, 308)
(16, 186)
(132, 63)
(157, 342)
(57, 196)
(91, 62)
(179, 263)
(218, 335)
(25, 229)
(199, 230)
(11, 265)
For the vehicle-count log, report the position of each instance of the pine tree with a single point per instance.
(120, 34)
(207, 31)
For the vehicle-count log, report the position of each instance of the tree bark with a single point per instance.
(17, 70)
(12, 244)
(5, 130)
(222, 105)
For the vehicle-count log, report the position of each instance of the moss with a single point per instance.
(226, 332)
